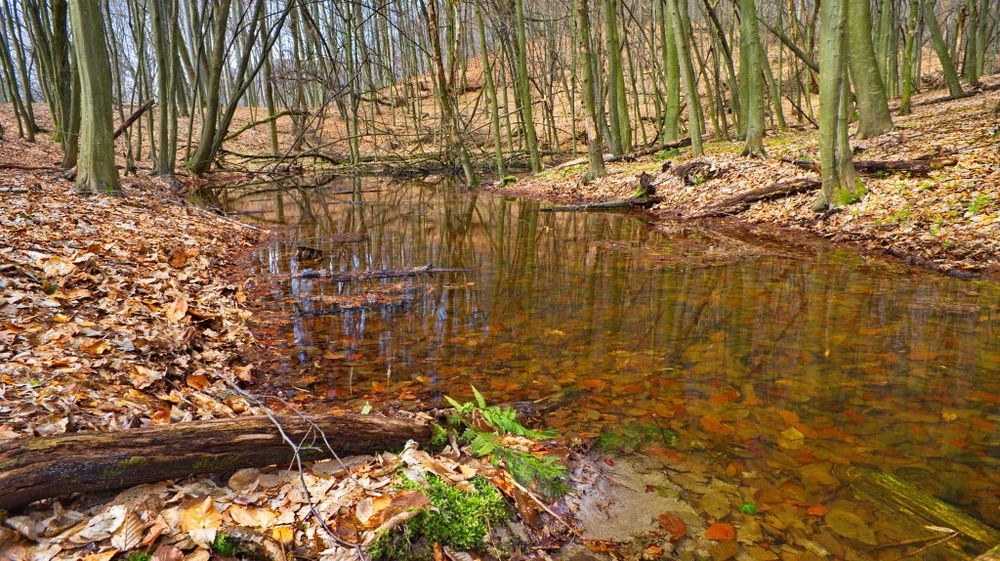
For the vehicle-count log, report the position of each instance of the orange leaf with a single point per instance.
(720, 532)
(198, 381)
(817, 510)
(177, 310)
(673, 524)
(712, 424)
(790, 417)
(593, 383)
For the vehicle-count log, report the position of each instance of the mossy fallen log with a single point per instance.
(740, 203)
(39, 468)
(918, 166)
(890, 492)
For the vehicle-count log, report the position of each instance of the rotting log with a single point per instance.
(381, 274)
(629, 203)
(887, 491)
(37, 468)
(645, 197)
(739, 203)
(877, 166)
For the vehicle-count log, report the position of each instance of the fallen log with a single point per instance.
(739, 203)
(645, 197)
(37, 468)
(133, 118)
(382, 274)
(887, 491)
(877, 166)
(631, 202)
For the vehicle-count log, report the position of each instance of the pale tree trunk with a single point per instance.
(909, 54)
(696, 126)
(873, 106)
(202, 157)
(594, 140)
(621, 133)
(673, 74)
(753, 75)
(491, 91)
(841, 184)
(95, 170)
(524, 88)
(445, 89)
(947, 63)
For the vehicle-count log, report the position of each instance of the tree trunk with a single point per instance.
(841, 184)
(873, 106)
(947, 63)
(752, 75)
(594, 141)
(912, 21)
(96, 171)
(39, 468)
(524, 88)
(672, 73)
(491, 91)
(202, 157)
(621, 134)
(696, 126)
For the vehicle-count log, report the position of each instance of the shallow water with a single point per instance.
(765, 370)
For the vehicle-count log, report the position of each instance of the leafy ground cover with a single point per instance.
(948, 219)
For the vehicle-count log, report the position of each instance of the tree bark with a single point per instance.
(595, 161)
(873, 105)
(38, 468)
(947, 63)
(841, 184)
(752, 76)
(96, 171)
(739, 203)
(696, 126)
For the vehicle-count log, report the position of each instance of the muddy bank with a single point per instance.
(947, 219)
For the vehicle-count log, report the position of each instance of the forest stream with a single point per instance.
(753, 378)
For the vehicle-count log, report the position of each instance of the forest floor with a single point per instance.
(947, 219)
(118, 313)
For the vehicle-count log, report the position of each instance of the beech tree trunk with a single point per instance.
(841, 184)
(39, 468)
(95, 170)
(595, 159)
(873, 105)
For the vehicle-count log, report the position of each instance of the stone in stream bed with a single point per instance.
(620, 498)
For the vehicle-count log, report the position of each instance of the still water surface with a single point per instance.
(768, 370)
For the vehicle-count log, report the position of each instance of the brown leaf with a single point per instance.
(167, 553)
(673, 524)
(177, 310)
(129, 534)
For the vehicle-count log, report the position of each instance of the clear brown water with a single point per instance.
(775, 368)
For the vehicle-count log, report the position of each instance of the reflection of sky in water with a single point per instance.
(903, 362)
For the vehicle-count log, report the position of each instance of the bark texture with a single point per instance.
(95, 166)
(38, 468)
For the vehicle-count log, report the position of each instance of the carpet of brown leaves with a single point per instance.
(113, 312)
(948, 220)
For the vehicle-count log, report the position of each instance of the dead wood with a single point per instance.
(878, 166)
(381, 274)
(645, 197)
(134, 117)
(739, 203)
(38, 468)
